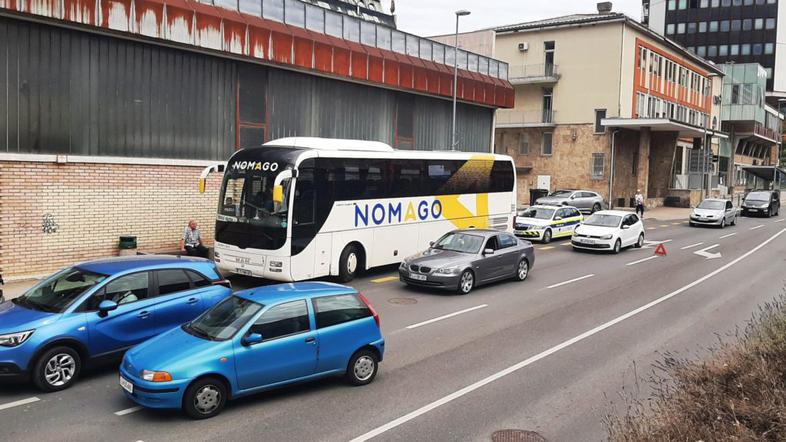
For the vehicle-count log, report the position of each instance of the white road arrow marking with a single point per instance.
(652, 244)
(703, 252)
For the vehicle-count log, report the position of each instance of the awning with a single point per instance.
(767, 173)
(661, 125)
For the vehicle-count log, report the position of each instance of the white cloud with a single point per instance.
(435, 17)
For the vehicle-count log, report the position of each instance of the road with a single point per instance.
(545, 355)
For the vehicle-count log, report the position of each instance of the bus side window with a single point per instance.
(304, 198)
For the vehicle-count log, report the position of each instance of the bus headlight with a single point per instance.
(276, 264)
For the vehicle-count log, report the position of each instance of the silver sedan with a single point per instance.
(463, 259)
(586, 201)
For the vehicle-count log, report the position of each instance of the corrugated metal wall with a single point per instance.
(64, 91)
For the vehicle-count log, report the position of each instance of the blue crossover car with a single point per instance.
(96, 310)
(256, 340)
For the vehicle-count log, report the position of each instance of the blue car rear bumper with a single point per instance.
(155, 394)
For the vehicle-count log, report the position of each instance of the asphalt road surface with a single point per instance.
(546, 354)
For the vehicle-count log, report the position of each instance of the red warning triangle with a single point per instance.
(661, 250)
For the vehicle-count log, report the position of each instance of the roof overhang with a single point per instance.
(661, 125)
(758, 138)
(767, 173)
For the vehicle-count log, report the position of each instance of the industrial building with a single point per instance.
(109, 109)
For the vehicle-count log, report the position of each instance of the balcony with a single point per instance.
(533, 74)
(527, 118)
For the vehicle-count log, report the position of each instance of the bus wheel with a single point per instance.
(349, 263)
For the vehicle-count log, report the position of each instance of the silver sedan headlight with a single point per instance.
(15, 339)
(447, 270)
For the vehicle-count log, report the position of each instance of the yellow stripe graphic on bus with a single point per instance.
(478, 170)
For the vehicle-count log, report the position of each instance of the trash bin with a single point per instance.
(127, 245)
(534, 194)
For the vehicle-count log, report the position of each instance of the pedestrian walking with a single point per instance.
(639, 203)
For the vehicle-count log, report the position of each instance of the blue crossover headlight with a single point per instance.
(15, 339)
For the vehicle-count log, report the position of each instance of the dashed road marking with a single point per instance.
(570, 281)
(567, 244)
(450, 315)
(127, 411)
(663, 225)
(546, 248)
(780, 220)
(678, 223)
(691, 246)
(385, 279)
(728, 235)
(651, 228)
(550, 351)
(641, 260)
(757, 227)
(18, 403)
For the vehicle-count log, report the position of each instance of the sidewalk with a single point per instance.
(664, 213)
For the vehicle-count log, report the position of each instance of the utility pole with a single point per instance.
(453, 141)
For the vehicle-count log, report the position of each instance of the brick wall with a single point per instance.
(53, 215)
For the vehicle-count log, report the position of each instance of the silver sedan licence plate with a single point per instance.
(417, 277)
(127, 386)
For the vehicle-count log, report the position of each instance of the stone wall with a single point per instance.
(53, 215)
(569, 165)
(662, 149)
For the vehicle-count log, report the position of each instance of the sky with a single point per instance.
(435, 17)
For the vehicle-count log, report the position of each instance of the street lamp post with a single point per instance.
(453, 141)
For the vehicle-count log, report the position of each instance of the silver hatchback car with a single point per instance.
(462, 259)
(585, 200)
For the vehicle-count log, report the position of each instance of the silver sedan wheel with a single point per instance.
(466, 282)
(523, 270)
(60, 369)
(207, 399)
(364, 368)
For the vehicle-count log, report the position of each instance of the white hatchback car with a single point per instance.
(609, 230)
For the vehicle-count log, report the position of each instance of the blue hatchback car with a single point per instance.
(96, 310)
(256, 340)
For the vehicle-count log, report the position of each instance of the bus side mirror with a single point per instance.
(278, 194)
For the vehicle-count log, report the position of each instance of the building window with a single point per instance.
(747, 24)
(724, 26)
(600, 114)
(723, 50)
(725, 3)
(692, 28)
(769, 72)
(745, 49)
(598, 163)
(714, 26)
(704, 3)
(524, 144)
(736, 25)
(703, 26)
(680, 28)
(734, 50)
(736, 2)
(546, 147)
(748, 2)
(759, 2)
(715, 3)
(769, 48)
(735, 94)
(682, 4)
(758, 23)
(770, 23)
(712, 51)
(670, 28)
(701, 51)
(758, 49)
(672, 5)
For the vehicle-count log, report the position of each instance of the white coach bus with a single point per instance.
(302, 208)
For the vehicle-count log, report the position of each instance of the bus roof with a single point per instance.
(331, 144)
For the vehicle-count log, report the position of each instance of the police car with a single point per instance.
(542, 223)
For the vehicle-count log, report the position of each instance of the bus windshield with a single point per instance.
(249, 199)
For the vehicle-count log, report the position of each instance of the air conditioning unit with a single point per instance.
(523, 47)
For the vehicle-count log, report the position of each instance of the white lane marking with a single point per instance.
(704, 252)
(430, 321)
(757, 227)
(29, 400)
(571, 280)
(513, 368)
(780, 220)
(127, 411)
(730, 234)
(641, 260)
(648, 244)
(692, 245)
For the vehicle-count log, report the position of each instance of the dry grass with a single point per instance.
(736, 394)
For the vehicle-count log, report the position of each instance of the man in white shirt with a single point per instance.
(639, 203)
(191, 242)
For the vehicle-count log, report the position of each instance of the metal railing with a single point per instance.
(359, 27)
(534, 71)
(543, 117)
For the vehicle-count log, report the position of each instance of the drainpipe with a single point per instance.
(611, 172)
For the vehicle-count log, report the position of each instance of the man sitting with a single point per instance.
(191, 243)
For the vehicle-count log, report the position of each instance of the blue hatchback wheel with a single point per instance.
(205, 398)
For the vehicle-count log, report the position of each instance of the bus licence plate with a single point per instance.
(417, 277)
(127, 386)
(243, 272)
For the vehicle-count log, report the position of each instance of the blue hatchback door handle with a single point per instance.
(311, 340)
(193, 300)
(143, 314)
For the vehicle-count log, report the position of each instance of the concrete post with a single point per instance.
(643, 170)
